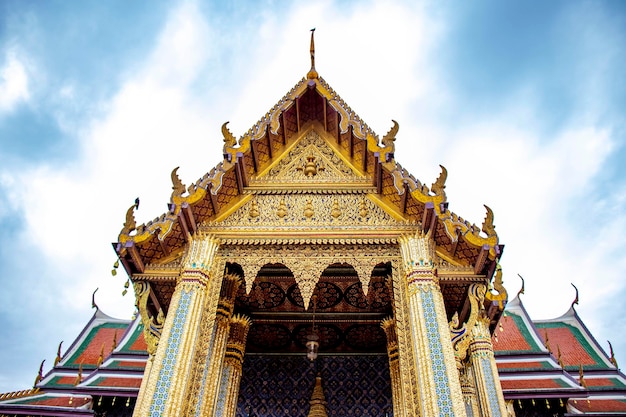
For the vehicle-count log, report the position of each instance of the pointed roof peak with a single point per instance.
(575, 299)
(312, 74)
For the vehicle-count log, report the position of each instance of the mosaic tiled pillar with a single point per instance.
(438, 378)
(488, 388)
(407, 357)
(388, 326)
(212, 376)
(165, 392)
(233, 362)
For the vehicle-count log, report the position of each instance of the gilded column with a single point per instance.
(145, 381)
(233, 362)
(406, 356)
(165, 392)
(469, 391)
(214, 358)
(438, 378)
(488, 388)
(388, 326)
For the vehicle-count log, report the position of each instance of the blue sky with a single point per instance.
(522, 102)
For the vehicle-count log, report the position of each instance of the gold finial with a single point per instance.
(438, 186)
(58, 358)
(101, 357)
(39, 374)
(318, 400)
(229, 139)
(79, 377)
(521, 290)
(547, 342)
(130, 224)
(581, 376)
(612, 358)
(488, 227)
(575, 299)
(560, 359)
(312, 75)
(178, 188)
(93, 300)
(390, 137)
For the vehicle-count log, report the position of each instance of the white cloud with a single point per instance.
(72, 214)
(378, 58)
(13, 82)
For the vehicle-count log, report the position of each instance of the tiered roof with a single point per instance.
(529, 365)
(556, 358)
(107, 359)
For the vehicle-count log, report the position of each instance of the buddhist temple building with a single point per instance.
(309, 274)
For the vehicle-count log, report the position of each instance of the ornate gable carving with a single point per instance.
(311, 160)
(309, 211)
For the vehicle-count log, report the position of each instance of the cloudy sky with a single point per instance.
(522, 103)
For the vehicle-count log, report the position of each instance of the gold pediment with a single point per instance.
(310, 211)
(310, 162)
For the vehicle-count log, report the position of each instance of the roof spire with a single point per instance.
(575, 299)
(39, 374)
(93, 300)
(612, 358)
(521, 290)
(318, 400)
(312, 72)
(58, 358)
(581, 376)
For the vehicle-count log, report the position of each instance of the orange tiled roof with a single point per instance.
(524, 365)
(531, 383)
(599, 405)
(56, 401)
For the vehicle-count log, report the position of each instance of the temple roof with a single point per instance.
(546, 358)
(600, 406)
(46, 404)
(578, 347)
(311, 105)
(525, 364)
(107, 357)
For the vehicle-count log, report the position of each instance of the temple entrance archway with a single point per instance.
(278, 379)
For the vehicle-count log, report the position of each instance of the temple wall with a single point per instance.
(273, 386)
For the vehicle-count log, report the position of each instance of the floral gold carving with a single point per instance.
(152, 326)
(282, 209)
(311, 167)
(312, 159)
(254, 210)
(322, 211)
(363, 212)
(336, 209)
(308, 209)
(308, 262)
